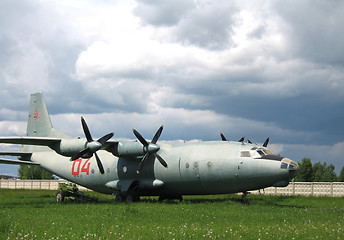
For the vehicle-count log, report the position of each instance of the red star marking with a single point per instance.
(36, 114)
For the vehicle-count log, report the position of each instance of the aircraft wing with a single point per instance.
(14, 161)
(42, 141)
(17, 154)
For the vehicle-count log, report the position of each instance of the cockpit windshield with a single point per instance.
(262, 151)
(258, 152)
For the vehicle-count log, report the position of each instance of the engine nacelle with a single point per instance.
(69, 147)
(130, 149)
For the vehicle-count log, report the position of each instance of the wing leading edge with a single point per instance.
(42, 141)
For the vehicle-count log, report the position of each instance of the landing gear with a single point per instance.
(128, 198)
(244, 199)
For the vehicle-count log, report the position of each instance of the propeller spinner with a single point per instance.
(92, 146)
(150, 148)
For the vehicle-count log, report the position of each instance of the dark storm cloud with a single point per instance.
(316, 32)
(204, 24)
(38, 52)
(209, 25)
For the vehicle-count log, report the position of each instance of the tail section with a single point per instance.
(39, 124)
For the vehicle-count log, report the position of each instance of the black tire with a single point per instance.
(60, 197)
(129, 198)
(119, 198)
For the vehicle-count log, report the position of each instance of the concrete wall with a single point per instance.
(330, 189)
(35, 184)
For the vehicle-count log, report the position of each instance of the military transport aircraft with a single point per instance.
(130, 169)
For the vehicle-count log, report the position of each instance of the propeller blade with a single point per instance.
(242, 139)
(140, 138)
(161, 160)
(266, 142)
(223, 137)
(80, 154)
(86, 130)
(157, 135)
(142, 162)
(99, 163)
(105, 138)
(150, 148)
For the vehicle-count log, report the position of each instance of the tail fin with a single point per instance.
(39, 124)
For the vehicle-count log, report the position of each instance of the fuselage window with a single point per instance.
(245, 154)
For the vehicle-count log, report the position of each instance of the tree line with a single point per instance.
(26, 172)
(317, 172)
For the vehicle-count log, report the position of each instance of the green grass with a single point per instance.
(34, 214)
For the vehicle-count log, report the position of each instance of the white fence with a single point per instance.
(330, 189)
(34, 184)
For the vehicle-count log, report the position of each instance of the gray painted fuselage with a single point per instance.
(193, 168)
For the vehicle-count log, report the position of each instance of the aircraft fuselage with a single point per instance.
(214, 167)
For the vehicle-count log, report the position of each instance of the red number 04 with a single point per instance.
(85, 167)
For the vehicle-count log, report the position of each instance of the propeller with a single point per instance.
(266, 142)
(150, 148)
(241, 139)
(223, 137)
(92, 146)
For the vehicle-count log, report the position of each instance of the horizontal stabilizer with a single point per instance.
(14, 161)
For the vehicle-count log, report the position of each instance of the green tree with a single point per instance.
(341, 175)
(324, 173)
(33, 172)
(305, 173)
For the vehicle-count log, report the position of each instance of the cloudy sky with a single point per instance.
(246, 68)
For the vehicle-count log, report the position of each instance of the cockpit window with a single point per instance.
(268, 152)
(261, 153)
(284, 165)
(245, 154)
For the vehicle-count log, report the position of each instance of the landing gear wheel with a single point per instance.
(119, 198)
(129, 199)
(60, 197)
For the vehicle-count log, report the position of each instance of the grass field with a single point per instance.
(34, 214)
